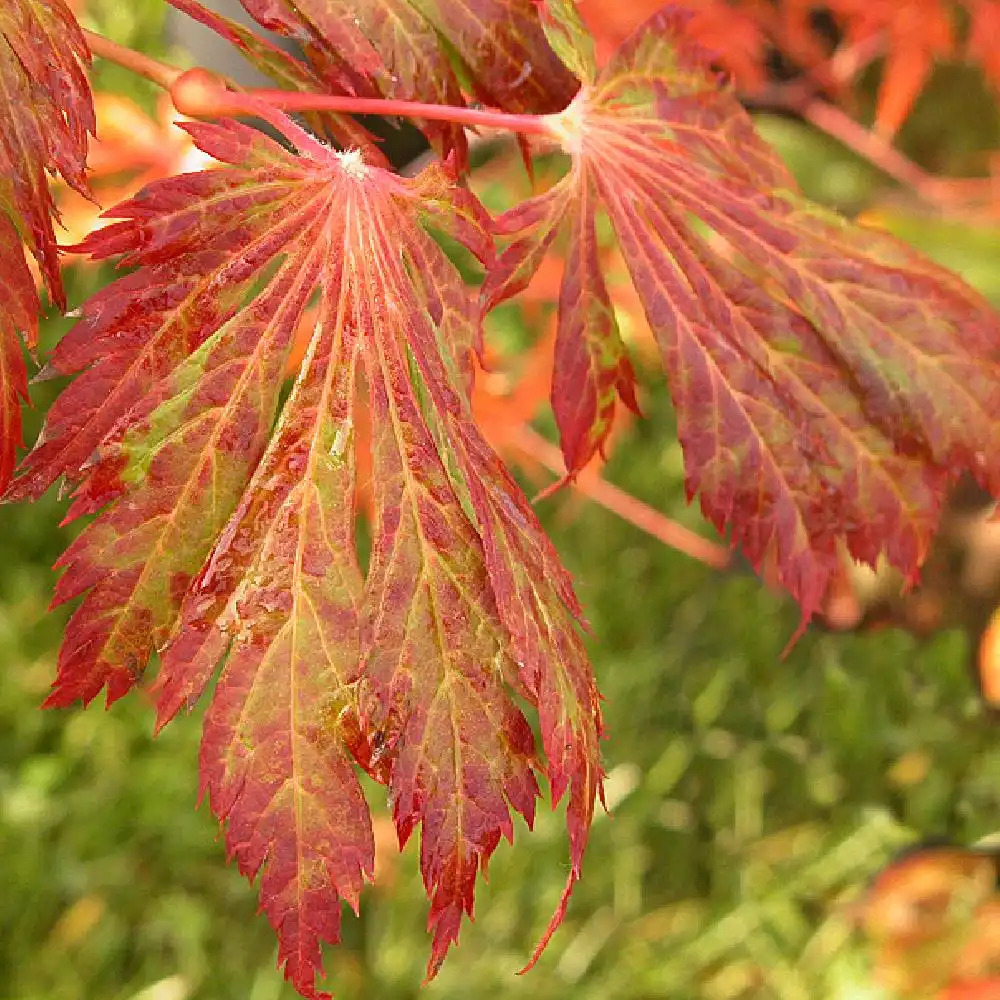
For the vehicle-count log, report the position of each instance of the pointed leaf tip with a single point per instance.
(554, 922)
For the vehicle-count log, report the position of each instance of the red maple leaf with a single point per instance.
(45, 115)
(829, 382)
(221, 535)
(434, 51)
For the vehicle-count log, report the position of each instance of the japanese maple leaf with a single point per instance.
(45, 115)
(289, 73)
(228, 529)
(421, 50)
(828, 381)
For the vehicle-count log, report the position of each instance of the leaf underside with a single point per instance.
(45, 115)
(435, 51)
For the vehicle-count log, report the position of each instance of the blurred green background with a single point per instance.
(751, 796)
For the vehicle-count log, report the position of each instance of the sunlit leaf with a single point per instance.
(226, 529)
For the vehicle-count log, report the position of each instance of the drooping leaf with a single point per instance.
(281, 592)
(224, 535)
(437, 670)
(829, 382)
(435, 51)
(45, 115)
(289, 73)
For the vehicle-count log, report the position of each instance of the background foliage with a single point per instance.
(751, 796)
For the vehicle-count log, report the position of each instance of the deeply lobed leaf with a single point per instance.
(227, 529)
(436, 51)
(45, 115)
(828, 381)
(289, 73)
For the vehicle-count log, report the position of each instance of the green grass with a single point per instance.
(748, 793)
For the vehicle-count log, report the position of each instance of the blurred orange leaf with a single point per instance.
(130, 150)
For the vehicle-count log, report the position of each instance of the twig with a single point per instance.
(870, 145)
(626, 506)
(160, 73)
(198, 93)
(227, 102)
(799, 98)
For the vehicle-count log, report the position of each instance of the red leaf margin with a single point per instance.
(46, 113)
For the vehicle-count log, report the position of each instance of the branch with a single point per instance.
(160, 73)
(871, 146)
(878, 151)
(199, 94)
(800, 99)
(626, 506)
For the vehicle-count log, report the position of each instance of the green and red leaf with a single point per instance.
(435, 51)
(281, 593)
(438, 676)
(226, 529)
(45, 115)
(289, 73)
(829, 382)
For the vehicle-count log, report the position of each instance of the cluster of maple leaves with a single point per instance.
(829, 383)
